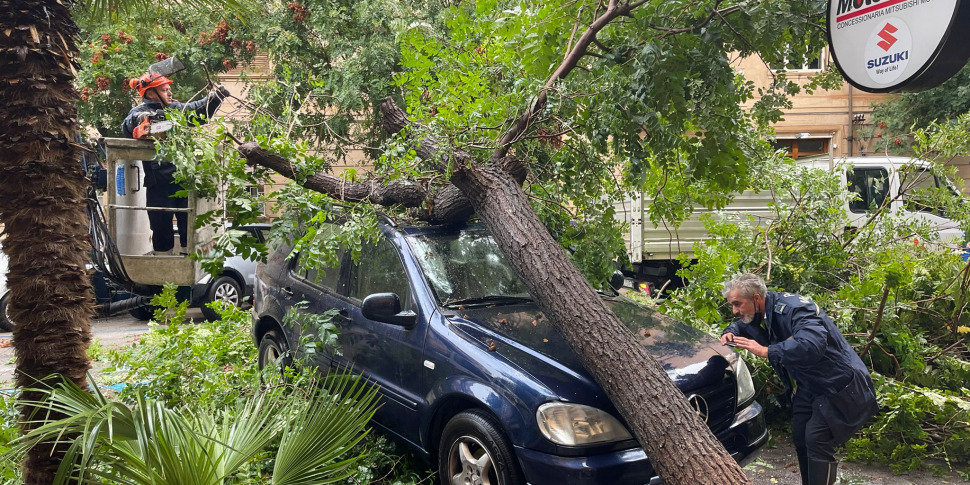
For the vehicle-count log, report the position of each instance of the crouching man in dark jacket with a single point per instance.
(831, 392)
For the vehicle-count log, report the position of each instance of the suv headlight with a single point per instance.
(745, 385)
(576, 424)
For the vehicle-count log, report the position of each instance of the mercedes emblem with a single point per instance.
(699, 405)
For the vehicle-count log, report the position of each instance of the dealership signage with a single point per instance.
(898, 45)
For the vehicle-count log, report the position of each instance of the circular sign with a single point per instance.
(898, 45)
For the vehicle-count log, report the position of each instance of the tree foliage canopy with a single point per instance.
(895, 121)
(651, 103)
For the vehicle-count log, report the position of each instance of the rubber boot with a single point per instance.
(822, 472)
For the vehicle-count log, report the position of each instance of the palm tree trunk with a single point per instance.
(42, 202)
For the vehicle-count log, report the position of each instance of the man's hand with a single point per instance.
(727, 338)
(750, 345)
(221, 92)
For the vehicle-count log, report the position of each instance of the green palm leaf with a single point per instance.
(312, 447)
(149, 444)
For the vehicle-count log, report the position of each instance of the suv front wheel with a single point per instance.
(473, 449)
(274, 351)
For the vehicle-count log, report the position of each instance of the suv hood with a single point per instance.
(522, 335)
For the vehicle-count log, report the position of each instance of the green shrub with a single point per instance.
(210, 363)
(213, 366)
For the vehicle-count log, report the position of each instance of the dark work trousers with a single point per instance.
(810, 432)
(160, 195)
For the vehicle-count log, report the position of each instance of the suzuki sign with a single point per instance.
(898, 45)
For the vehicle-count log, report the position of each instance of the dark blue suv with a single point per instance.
(472, 375)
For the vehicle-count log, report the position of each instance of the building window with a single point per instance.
(256, 192)
(802, 147)
(811, 62)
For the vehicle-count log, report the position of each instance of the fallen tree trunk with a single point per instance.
(681, 446)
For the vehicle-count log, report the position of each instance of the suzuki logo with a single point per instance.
(699, 405)
(886, 34)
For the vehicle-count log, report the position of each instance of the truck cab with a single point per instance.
(901, 184)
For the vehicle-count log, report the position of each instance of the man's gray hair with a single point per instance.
(748, 284)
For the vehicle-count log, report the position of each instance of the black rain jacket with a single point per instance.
(162, 172)
(804, 346)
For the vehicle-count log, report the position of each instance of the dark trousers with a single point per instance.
(810, 432)
(160, 195)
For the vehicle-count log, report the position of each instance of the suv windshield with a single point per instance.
(467, 268)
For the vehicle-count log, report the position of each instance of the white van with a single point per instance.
(904, 181)
(654, 249)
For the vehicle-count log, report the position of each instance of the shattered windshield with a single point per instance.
(467, 268)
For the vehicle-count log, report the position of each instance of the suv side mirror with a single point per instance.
(386, 308)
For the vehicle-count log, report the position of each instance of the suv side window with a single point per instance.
(871, 185)
(326, 276)
(380, 271)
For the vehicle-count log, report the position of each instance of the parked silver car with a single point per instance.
(235, 283)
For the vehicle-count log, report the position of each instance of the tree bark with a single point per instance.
(405, 193)
(42, 204)
(681, 447)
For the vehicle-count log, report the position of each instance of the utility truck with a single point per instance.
(126, 248)
(899, 182)
(128, 219)
(125, 273)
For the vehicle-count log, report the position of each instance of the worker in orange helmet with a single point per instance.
(156, 93)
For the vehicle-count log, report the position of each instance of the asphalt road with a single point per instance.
(109, 332)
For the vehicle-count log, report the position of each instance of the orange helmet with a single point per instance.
(147, 81)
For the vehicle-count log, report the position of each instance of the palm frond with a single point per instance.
(150, 444)
(313, 445)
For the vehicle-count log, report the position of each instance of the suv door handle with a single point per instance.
(344, 315)
(286, 290)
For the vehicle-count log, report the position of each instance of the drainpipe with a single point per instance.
(849, 124)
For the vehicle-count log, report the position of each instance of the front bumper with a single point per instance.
(743, 440)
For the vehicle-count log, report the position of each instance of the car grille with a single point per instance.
(720, 401)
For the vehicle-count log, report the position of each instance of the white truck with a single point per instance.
(654, 249)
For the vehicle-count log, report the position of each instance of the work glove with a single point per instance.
(154, 115)
(221, 92)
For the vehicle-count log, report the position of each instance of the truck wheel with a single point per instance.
(473, 449)
(5, 324)
(143, 313)
(223, 289)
